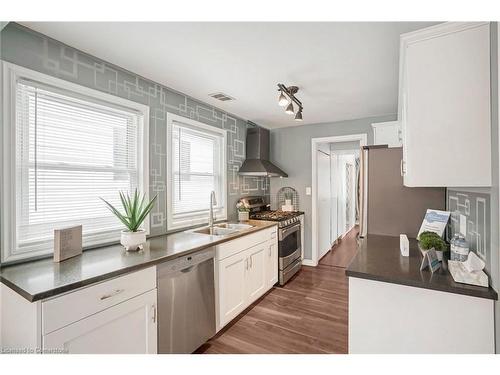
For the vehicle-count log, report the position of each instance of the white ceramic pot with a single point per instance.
(133, 241)
(243, 215)
(288, 202)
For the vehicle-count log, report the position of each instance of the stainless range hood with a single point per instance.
(257, 155)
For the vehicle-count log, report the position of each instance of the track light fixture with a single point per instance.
(282, 99)
(287, 98)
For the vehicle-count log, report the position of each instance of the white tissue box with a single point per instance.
(404, 245)
(461, 275)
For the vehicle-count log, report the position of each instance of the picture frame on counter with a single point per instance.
(67, 243)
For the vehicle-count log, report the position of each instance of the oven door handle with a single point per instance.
(285, 232)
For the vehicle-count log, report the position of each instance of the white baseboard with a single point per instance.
(309, 262)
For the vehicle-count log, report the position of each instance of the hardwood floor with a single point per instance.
(307, 315)
(342, 254)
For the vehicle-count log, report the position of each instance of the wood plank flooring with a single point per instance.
(307, 315)
(342, 254)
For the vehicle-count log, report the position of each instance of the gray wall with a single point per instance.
(343, 146)
(291, 151)
(35, 51)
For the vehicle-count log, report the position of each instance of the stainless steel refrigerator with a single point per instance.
(386, 206)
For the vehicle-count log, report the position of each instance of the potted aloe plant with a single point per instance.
(136, 209)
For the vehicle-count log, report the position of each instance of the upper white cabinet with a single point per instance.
(444, 105)
(387, 133)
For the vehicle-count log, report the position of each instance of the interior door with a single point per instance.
(256, 272)
(324, 202)
(231, 289)
(127, 328)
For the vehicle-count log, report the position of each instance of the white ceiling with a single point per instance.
(344, 70)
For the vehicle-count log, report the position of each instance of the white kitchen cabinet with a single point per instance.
(387, 133)
(245, 269)
(256, 272)
(117, 315)
(271, 264)
(444, 105)
(232, 289)
(127, 328)
(386, 318)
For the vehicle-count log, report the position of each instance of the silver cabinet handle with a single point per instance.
(269, 251)
(112, 294)
(251, 261)
(401, 167)
(154, 313)
(246, 263)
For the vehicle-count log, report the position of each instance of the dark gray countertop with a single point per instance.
(379, 259)
(43, 278)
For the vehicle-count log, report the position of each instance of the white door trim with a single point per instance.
(363, 140)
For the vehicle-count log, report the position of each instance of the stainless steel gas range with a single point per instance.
(289, 235)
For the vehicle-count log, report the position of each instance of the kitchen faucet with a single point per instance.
(213, 202)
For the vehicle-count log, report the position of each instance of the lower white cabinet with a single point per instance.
(256, 272)
(386, 318)
(114, 316)
(271, 263)
(231, 289)
(127, 328)
(246, 271)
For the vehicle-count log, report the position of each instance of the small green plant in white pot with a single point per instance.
(136, 210)
(243, 212)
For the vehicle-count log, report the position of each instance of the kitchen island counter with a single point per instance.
(379, 259)
(396, 308)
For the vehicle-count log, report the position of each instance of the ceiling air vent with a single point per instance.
(221, 96)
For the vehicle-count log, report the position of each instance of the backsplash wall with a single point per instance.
(27, 48)
(476, 208)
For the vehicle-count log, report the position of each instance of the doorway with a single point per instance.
(335, 190)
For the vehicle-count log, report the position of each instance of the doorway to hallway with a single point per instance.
(335, 190)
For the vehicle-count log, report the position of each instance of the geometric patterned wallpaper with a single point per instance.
(25, 47)
(476, 208)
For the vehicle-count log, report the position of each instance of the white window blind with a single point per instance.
(197, 166)
(70, 150)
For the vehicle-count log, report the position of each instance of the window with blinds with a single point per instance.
(196, 168)
(70, 150)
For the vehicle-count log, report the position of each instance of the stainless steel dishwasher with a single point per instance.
(186, 302)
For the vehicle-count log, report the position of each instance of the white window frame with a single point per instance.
(191, 222)
(11, 74)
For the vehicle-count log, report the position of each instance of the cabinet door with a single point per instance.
(231, 287)
(271, 264)
(127, 328)
(387, 133)
(445, 102)
(256, 284)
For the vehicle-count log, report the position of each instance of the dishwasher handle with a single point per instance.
(188, 269)
(184, 264)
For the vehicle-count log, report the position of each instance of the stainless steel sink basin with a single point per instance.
(237, 227)
(222, 229)
(215, 231)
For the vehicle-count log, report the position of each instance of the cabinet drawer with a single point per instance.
(233, 247)
(69, 308)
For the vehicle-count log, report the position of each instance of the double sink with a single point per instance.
(223, 229)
